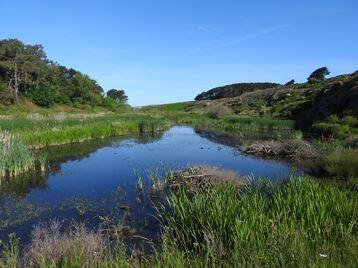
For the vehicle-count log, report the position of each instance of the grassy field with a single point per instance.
(302, 222)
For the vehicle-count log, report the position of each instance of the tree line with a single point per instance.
(26, 72)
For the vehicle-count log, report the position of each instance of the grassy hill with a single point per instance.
(330, 106)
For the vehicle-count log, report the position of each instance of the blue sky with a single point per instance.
(168, 51)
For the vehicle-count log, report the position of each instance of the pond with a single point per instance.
(98, 178)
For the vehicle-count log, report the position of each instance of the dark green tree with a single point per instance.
(118, 95)
(318, 75)
(291, 82)
(21, 65)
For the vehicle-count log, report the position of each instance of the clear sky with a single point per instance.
(164, 51)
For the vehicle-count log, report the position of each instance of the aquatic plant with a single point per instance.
(49, 131)
(42, 159)
(140, 183)
(15, 157)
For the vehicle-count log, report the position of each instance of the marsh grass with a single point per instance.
(45, 132)
(265, 224)
(15, 157)
(42, 159)
(342, 163)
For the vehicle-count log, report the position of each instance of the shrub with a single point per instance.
(42, 96)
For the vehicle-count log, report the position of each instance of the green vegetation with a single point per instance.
(15, 157)
(231, 123)
(19, 136)
(46, 132)
(26, 72)
(170, 107)
(318, 75)
(325, 106)
(301, 222)
(342, 163)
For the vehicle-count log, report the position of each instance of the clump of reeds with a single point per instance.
(42, 159)
(15, 157)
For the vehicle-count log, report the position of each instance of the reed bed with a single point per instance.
(299, 223)
(46, 132)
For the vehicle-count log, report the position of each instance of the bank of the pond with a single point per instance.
(20, 136)
(302, 222)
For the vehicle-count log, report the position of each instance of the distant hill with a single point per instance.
(329, 106)
(233, 90)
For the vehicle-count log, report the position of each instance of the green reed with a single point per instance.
(300, 222)
(45, 132)
(15, 157)
(42, 159)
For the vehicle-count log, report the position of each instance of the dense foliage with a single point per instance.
(25, 71)
(233, 90)
(318, 75)
(118, 95)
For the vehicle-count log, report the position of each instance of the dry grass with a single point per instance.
(50, 245)
(197, 177)
(292, 149)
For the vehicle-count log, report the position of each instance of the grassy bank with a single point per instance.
(19, 136)
(302, 222)
(46, 132)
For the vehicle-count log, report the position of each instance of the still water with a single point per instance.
(99, 178)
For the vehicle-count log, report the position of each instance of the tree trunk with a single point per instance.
(16, 82)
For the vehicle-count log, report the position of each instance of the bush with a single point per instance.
(219, 111)
(110, 104)
(42, 96)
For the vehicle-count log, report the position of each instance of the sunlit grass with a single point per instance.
(15, 157)
(301, 222)
(46, 132)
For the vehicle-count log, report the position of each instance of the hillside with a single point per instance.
(330, 106)
(233, 90)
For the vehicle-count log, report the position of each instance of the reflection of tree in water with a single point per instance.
(22, 185)
(241, 137)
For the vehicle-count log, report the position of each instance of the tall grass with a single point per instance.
(15, 157)
(46, 132)
(342, 163)
(300, 223)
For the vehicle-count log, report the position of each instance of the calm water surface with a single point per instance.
(98, 178)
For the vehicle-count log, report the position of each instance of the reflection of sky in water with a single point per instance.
(97, 177)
